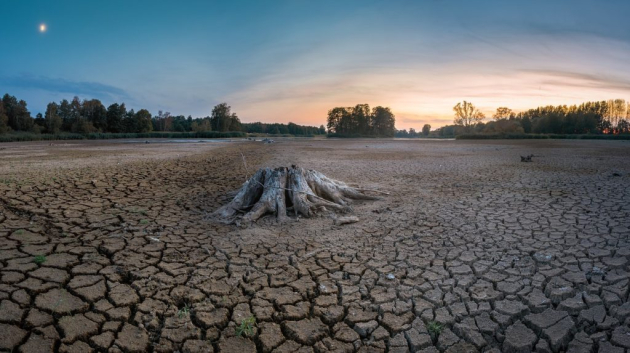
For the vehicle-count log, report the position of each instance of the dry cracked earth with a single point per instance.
(471, 251)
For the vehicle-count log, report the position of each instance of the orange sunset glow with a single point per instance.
(293, 62)
(420, 94)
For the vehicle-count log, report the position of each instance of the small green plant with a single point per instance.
(185, 311)
(144, 221)
(19, 231)
(434, 328)
(64, 235)
(39, 259)
(246, 327)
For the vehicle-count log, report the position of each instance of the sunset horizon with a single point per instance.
(294, 61)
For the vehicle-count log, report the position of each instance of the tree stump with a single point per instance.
(294, 190)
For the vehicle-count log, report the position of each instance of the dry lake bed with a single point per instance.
(110, 246)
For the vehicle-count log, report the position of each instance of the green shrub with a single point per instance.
(183, 312)
(434, 328)
(246, 327)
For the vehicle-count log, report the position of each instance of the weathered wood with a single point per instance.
(246, 197)
(272, 199)
(346, 220)
(334, 190)
(272, 191)
(305, 201)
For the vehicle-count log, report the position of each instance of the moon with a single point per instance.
(42, 27)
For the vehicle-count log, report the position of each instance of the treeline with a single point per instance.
(283, 129)
(426, 130)
(26, 136)
(361, 121)
(600, 117)
(92, 117)
(222, 119)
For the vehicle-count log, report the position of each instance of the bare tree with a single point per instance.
(467, 114)
(616, 111)
(163, 121)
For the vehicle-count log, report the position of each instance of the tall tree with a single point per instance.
(79, 122)
(163, 121)
(65, 112)
(220, 116)
(143, 121)
(222, 119)
(53, 120)
(129, 122)
(467, 115)
(338, 120)
(361, 119)
(115, 115)
(76, 109)
(19, 118)
(383, 122)
(95, 113)
(235, 123)
(616, 112)
(426, 129)
(4, 119)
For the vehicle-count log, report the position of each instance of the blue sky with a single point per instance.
(293, 60)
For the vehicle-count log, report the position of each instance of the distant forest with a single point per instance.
(91, 116)
(610, 117)
(361, 121)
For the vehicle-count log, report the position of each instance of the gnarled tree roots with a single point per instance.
(295, 190)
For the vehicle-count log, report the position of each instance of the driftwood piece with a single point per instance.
(302, 191)
(527, 158)
(346, 220)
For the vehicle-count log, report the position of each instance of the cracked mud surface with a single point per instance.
(472, 251)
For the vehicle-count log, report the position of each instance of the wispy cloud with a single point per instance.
(60, 85)
(577, 79)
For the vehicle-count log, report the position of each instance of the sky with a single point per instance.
(293, 60)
